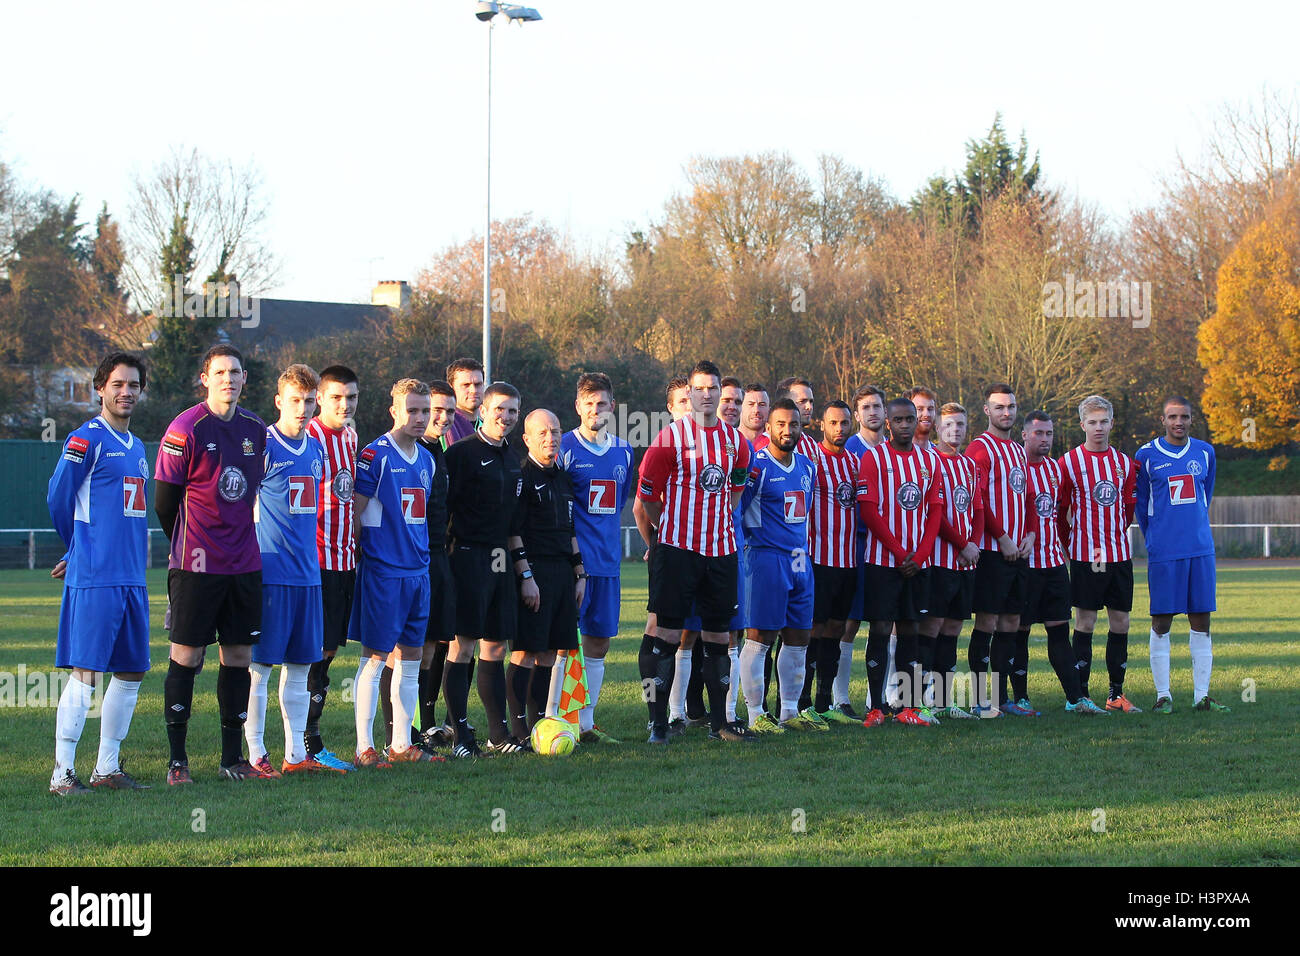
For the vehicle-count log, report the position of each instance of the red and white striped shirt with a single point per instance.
(1098, 495)
(334, 547)
(963, 509)
(1002, 463)
(1044, 479)
(695, 469)
(903, 490)
(834, 523)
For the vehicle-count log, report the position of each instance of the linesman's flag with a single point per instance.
(573, 694)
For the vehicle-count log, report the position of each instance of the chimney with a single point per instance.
(394, 293)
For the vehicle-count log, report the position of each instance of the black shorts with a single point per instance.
(486, 592)
(891, 597)
(680, 578)
(336, 591)
(442, 599)
(1047, 596)
(1110, 586)
(554, 625)
(226, 608)
(833, 590)
(999, 584)
(952, 593)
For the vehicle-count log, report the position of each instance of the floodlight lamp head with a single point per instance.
(486, 10)
(514, 11)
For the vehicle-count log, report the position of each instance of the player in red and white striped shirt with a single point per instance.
(1009, 531)
(1048, 598)
(336, 398)
(833, 535)
(900, 501)
(1098, 495)
(698, 465)
(956, 552)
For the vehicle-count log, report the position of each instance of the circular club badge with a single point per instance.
(711, 479)
(343, 485)
(909, 496)
(316, 468)
(144, 468)
(1043, 505)
(1017, 480)
(1105, 493)
(232, 485)
(844, 494)
(961, 499)
(1194, 467)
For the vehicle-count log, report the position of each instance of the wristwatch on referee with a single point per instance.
(526, 574)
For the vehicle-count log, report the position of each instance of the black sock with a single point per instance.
(428, 698)
(492, 691)
(907, 669)
(925, 655)
(1020, 670)
(318, 683)
(714, 664)
(1002, 653)
(455, 689)
(1082, 645)
(767, 675)
(647, 666)
(233, 684)
(1116, 660)
(178, 696)
(386, 702)
(539, 693)
(1061, 656)
(809, 675)
(977, 659)
(436, 667)
(695, 686)
(877, 661)
(518, 681)
(945, 668)
(828, 666)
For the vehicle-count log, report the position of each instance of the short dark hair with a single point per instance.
(866, 390)
(999, 387)
(500, 388)
(755, 387)
(223, 349)
(787, 383)
(337, 373)
(441, 388)
(673, 385)
(463, 365)
(731, 382)
(784, 404)
(1169, 400)
(837, 403)
(589, 382)
(106, 367)
(899, 402)
(705, 367)
(1037, 415)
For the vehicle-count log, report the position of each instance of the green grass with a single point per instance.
(1187, 789)
(1252, 476)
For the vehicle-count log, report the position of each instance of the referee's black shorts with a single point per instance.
(554, 625)
(680, 578)
(442, 599)
(833, 590)
(336, 590)
(1101, 584)
(1047, 597)
(952, 593)
(226, 608)
(1000, 584)
(486, 593)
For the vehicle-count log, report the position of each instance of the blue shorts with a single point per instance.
(1182, 586)
(389, 611)
(105, 630)
(779, 591)
(292, 620)
(740, 618)
(856, 611)
(598, 616)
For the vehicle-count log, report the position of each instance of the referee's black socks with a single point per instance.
(519, 681)
(492, 692)
(1116, 660)
(233, 684)
(178, 697)
(539, 694)
(455, 688)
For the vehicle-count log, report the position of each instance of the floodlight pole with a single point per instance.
(487, 229)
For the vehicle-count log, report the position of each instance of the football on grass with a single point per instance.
(553, 737)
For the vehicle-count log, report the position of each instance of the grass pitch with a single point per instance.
(1185, 789)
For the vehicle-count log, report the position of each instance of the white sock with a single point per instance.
(733, 689)
(255, 726)
(293, 710)
(681, 677)
(118, 708)
(365, 690)
(1202, 663)
(595, 677)
(751, 678)
(1158, 645)
(790, 664)
(557, 684)
(406, 698)
(840, 690)
(74, 705)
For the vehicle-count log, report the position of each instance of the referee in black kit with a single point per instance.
(485, 484)
(551, 576)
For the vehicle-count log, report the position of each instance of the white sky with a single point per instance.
(367, 121)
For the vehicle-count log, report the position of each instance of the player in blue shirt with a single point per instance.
(778, 571)
(98, 505)
(391, 610)
(292, 611)
(600, 466)
(1174, 488)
